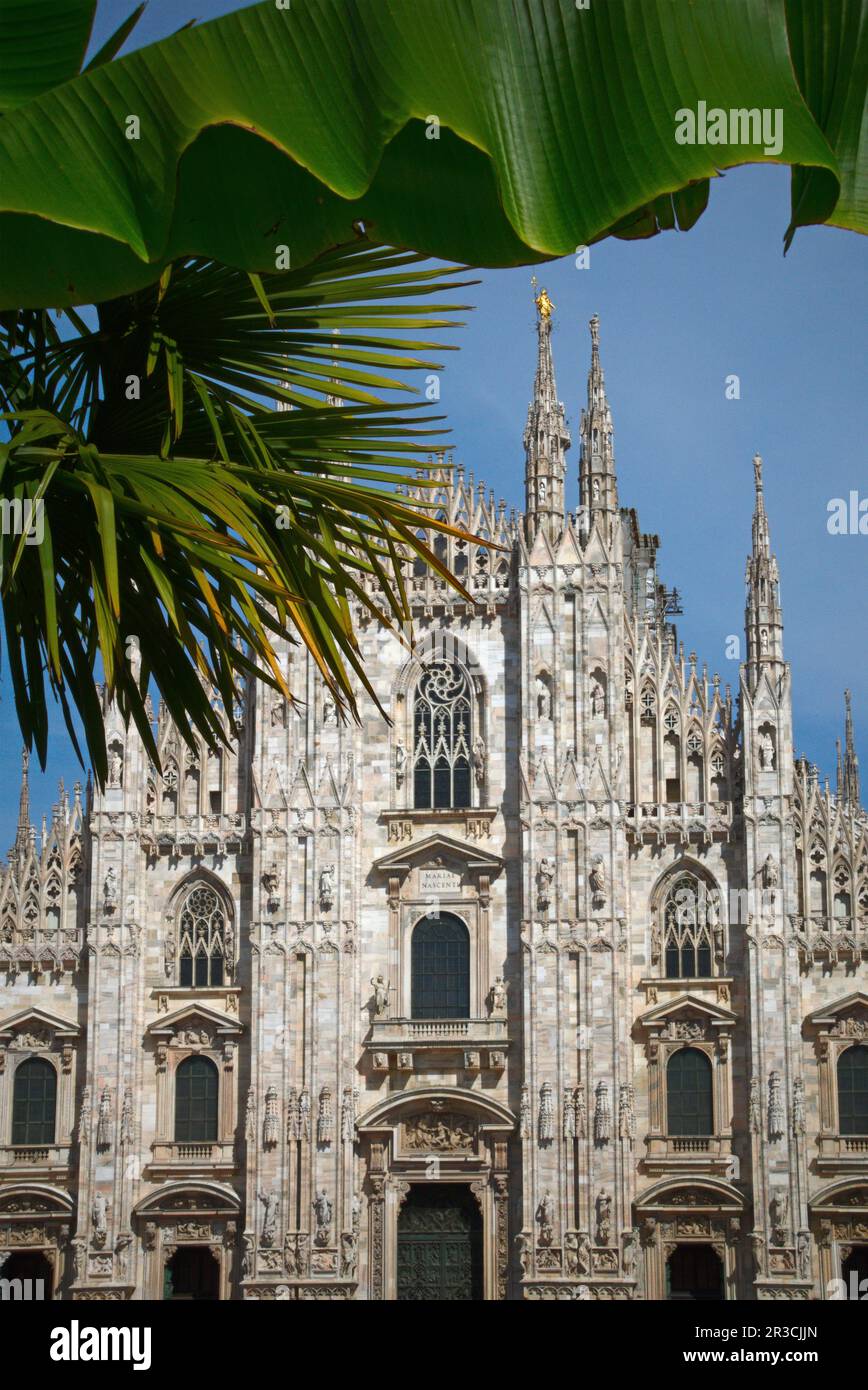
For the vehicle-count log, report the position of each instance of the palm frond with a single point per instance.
(190, 520)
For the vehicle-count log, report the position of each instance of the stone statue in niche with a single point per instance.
(766, 750)
(597, 882)
(110, 890)
(400, 762)
(278, 712)
(271, 882)
(604, 1217)
(479, 761)
(104, 1120)
(304, 1113)
(115, 767)
(98, 1216)
(329, 710)
(381, 995)
(327, 888)
(543, 699)
(598, 699)
(349, 1256)
(322, 1210)
(779, 1207)
(544, 877)
(271, 1205)
(769, 876)
(545, 1215)
(656, 943)
(803, 1254)
(497, 997)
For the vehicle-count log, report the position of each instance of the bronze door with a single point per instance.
(439, 1245)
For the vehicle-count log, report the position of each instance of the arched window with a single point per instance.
(440, 968)
(34, 1102)
(690, 914)
(442, 738)
(853, 1091)
(688, 1093)
(196, 1087)
(201, 938)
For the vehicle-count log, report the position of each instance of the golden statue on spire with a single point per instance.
(543, 304)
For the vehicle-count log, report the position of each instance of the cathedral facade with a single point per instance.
(552, 985)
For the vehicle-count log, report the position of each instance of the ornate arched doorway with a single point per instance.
(192, 1273)
(839, 1219)
(437, 1196)
(34, 1273)
(188, 1236)
(682, 1227)
(35, 1223)
(439, 1245)
(694, 1273)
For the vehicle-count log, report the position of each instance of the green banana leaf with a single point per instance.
(488, 132)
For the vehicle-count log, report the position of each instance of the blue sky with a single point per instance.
(679, 313)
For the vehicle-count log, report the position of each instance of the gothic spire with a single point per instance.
(598, 486)
(764, 622)
(546, 437)
(851, 762)
(22, 838)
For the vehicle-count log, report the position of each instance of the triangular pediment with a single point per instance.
(192, 1016)
(435, 847)
(38, 1021)
(687, 1006)
(852, 1004)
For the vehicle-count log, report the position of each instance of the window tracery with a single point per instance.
(442, 738)
(690, 923)
(202, 938)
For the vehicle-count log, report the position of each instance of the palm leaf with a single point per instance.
(162, 510)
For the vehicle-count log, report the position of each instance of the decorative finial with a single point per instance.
(595, 331)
